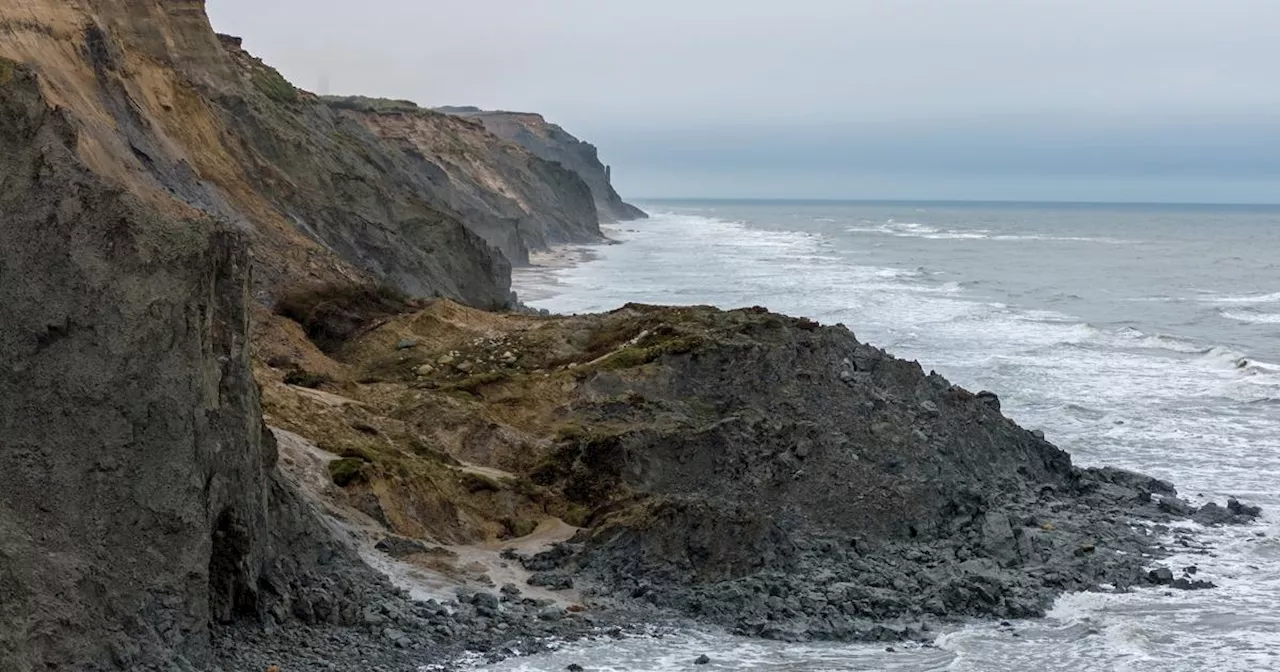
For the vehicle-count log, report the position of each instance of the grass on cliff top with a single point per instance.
(367, 104)
(275, 86)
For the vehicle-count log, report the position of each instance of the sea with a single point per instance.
(1141, 336)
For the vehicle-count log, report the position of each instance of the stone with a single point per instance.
(425, 370)
(574, 667)
(551, 614)
(406, 343)
(1238, 509)
(1161, 576)
(989, 399)
(1038, 434)
(446, 360)
(464, 366)
(702, 660)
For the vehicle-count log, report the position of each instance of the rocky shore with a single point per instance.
(256, 343)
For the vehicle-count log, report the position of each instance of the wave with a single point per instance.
(1273, 297)
(925, 231)
(1251, 317)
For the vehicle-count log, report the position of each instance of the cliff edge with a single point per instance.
(518, 201)
(551, 142)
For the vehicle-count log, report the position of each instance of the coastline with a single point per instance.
(535, 281)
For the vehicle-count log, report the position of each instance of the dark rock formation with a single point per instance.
(518, 201)
(139, 501)
(786, 480)
(553, 143)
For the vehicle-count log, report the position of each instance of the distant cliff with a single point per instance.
(553, 143)
(517, 201)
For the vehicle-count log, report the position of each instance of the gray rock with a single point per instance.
(989, 399)
(406, 343)
(1161, 576)
(702, 660)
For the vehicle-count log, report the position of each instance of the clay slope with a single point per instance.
(180, 118)
(516, 200)
(553, 143)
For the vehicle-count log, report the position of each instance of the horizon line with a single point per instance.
(946, 201)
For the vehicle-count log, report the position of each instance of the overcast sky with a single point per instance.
(1129, 100)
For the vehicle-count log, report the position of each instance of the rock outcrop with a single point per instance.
(518, 201)
(553, 143)
(139, 502)
(757, 471)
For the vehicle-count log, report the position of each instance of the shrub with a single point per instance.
(275, 86)
(306, 378)
(347, 470)
(333, 313)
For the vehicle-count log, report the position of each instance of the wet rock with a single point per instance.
(1237, 509)
(702, 660)
(1161, 576)
(989, 399)
(574, 667)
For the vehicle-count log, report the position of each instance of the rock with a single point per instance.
(510, 590)
(1188, 584)
(929, 408)
(1038, 434)
(1210, 514)
(508, 357)
(551, 580)
(1238, 509)
(574, 667)
(488, 602)
(406, 343)
(464, 366)
(446, 360)
(1161, 576)
(702, 660)
(425, 370)
(393, 635)
(989, 399)
(1179, 507)
(551, 614)
(399, 547)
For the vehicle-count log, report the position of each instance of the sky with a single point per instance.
(1069, 100)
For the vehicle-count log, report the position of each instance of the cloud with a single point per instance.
(910, 86)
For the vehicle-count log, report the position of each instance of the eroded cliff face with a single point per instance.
(516, 200)
(173, 114)
(553, 143)
(139, 503)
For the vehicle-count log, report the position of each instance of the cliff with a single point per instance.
(140, 503)
(553, 143)
(174, 115)
(518, 201)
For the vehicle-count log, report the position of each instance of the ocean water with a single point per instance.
(1145, 337)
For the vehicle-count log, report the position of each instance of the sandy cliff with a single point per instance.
(518, 201)
(551, 142)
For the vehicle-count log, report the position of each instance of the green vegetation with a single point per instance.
(333, 313)
(367, 104)
(275, 86)
(306, 378)
(7, 68)
(346, 471)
